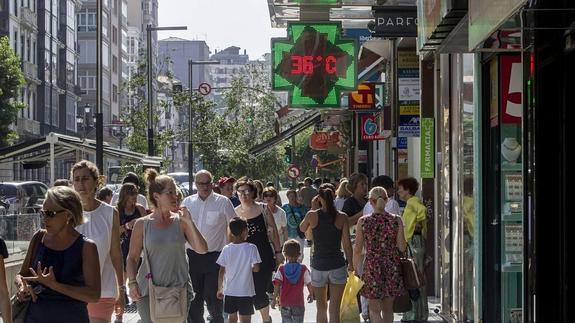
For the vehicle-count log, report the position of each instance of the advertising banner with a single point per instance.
(427, 148)
(408, 126)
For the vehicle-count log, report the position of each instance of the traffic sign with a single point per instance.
(204, 89)
(293, 172)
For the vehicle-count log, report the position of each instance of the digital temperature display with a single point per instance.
(314, 64)
(307, 64)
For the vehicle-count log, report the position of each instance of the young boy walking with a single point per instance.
(289, 281)
(237, 262)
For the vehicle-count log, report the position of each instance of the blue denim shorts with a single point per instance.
(335, 276)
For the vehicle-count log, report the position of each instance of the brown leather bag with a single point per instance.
(412, 276)
(402, 304)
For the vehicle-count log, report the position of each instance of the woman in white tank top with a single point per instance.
(102, 225)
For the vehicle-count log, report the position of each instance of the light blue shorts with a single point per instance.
(335, 276)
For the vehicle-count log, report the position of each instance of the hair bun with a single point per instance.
(150, 175)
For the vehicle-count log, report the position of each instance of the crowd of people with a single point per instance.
(233, 247)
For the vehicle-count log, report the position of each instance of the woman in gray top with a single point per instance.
(166, 234)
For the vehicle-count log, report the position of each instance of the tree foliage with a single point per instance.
(11, 82)
(135, 116)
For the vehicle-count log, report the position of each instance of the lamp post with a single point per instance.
(82, 119)
(149, 30)
(191, 64)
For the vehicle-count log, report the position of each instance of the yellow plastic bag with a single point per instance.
(349, 310)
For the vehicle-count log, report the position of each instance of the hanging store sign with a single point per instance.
(427, 148)
(323, 140)
(408, 126)
(314, 64)
(362, 99)
(395, 21)
(372, 127)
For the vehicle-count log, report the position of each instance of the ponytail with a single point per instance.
(379, 194)
(380, 205)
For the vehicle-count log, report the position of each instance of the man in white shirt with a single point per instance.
(391, 206)
(211, 213)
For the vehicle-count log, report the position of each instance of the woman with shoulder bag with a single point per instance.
(61, 272)
(259, 221)
(162, 236)
(381, 234)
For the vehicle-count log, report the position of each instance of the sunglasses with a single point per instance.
(244, 192)
(50, 214)
(269, 195)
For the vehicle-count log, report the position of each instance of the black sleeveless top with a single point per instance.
(51, 305)
(258, 235)
(327, 253)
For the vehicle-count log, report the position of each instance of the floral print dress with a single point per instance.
(381, 274)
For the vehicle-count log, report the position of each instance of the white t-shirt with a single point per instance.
(98, 227)
(280, 219)
(238, 259)
(211, 216)
(391, 207)
(142, 200)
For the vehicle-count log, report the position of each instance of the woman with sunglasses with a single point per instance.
(259, 222)
(64, 273)
(166, 234)
(103, 227)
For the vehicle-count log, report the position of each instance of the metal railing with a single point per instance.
(18, 229)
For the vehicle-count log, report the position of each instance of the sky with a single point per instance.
(221, 23)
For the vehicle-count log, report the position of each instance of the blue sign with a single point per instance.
(361, 34)
(408, 126)
(401, 142)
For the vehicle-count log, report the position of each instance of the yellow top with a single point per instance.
(414, 214)
(469, 215)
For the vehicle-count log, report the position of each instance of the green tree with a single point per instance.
(135, 116)
(11, 81)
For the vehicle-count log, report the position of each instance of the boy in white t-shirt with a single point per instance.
(237, 262)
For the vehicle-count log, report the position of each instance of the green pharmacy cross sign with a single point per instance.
(314, 64)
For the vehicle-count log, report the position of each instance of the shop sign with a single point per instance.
(485, 16)
(412, 109)
(372, 127)
(408, 89)
(427, 148)
(323, 140)
(395, 21)
(363, 98)
(511, 88)
(361, 34)
(401, 142)
(314, 64)
(408, 126)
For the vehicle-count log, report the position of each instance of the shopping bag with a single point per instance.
(349, 310)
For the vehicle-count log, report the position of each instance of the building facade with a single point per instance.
(174, 55)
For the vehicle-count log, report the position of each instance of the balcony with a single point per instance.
(30, 72)
(28, 18)
(28, 126)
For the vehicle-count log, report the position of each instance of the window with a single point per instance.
(114, 35)
(87, 80)
(114, 64)
(87, 51)
(105, 55)
(87, 20)
(114, 93)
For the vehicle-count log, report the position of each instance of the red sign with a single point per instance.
(372, 127)
(293, 172)
(363, 98)
(322, 140)
(511, 88)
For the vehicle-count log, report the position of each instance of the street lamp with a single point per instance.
(149, 30)
(191, 64)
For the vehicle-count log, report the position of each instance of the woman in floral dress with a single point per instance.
(382, 236)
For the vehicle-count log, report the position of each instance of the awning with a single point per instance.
(55, 145)
(309, 121)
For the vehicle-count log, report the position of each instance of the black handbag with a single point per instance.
(402, 304)
(20, 308)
